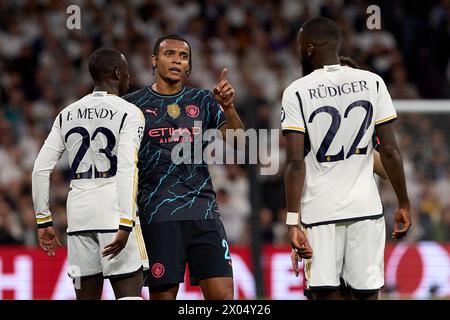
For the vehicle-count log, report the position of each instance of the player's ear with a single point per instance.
(310, 50)
(154, 59)
(117, 73)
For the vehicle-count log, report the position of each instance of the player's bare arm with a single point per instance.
(225, 95)
(378, 166)
(294, 178)
(392, 162)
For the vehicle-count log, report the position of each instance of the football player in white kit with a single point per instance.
(102, 134)
(335, 216)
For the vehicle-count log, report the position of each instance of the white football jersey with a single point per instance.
(338, 107)
(102, 134)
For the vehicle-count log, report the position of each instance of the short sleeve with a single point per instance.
(291, 112)
(385, 110)
(215, 116)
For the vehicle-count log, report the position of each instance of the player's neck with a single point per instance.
(325, 61)
(165, 87)
(110, 88)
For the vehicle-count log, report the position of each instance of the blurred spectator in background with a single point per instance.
(233, 215)
(442, 232)
(400, 88)
(267, 226)
(10, 230)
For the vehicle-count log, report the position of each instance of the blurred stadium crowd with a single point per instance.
(43, 69)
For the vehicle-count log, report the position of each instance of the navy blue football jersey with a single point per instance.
(169, 191)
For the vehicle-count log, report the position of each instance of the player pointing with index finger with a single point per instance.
(224, 94)
(177, 204)
(223, 91)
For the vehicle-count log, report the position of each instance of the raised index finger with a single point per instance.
(223, 74)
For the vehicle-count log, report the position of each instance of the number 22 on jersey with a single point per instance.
(336, 120)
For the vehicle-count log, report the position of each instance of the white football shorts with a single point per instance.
(85, 254)
(351, 250)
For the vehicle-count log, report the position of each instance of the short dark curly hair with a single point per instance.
(103, 62)
(322, 30)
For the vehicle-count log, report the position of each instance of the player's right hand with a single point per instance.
(299, 242)
(48, 240)
(114, 248)
(401, 217)
(223, 92)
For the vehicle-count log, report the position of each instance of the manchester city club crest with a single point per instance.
(173, 110)
(192, 111)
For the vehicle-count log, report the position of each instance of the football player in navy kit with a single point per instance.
(177, 204)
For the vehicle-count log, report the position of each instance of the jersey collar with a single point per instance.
(166, 95)
(101, 94)
(332, 67)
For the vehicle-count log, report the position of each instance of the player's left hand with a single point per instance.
(223, 91)
(114, 248)
(402, 217)
(48, 240)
